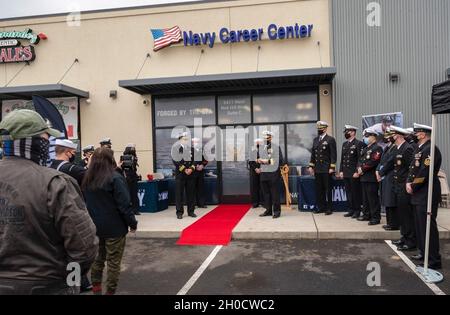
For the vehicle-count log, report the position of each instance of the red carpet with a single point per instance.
(215, 227)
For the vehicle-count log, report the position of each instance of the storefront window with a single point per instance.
(278, 135)
(299, 143)
(286, 107)
(234, 109)
(170, 112)
(164, 142)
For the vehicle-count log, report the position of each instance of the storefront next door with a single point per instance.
(235, 180)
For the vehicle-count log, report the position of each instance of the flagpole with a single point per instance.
(430, 275)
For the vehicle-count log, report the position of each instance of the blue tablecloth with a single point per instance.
(307, 194)
(153, 195)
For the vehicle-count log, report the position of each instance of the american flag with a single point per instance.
(165, 37)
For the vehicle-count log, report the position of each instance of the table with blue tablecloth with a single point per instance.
(307, 194)
(153, 195)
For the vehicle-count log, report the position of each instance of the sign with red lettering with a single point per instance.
(11, 49)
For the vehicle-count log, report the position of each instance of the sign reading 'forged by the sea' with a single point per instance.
(11, 49)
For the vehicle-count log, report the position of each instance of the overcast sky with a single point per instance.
(20, 8)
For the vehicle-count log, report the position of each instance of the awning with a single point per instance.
(46, 90)
(231, 81)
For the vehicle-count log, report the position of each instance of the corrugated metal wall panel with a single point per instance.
(413, 40)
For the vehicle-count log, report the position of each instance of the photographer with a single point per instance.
(129, 165)
(87, 153)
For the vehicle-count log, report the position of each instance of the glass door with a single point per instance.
(235, 177)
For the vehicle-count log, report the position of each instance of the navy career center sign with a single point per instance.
(226, 35)
(11, 49)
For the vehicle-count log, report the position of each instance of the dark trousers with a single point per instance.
(392, 217)
(354, 195)
(199, 189)
(421, 227)
(271, 191)
(371, 201)
(324, 199)
(255, 188)
(184, 184)
(406, 218)
(132, 182)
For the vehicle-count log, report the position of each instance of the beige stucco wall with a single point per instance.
(111, 46)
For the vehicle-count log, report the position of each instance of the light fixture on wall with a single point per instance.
(448, 73)
(394, 76)
(88, 101)
(113, 93)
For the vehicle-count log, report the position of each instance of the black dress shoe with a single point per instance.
(374, 223)
(193, 215)
(363, 219)
(266, 214)
(348, 215)
(406, 248)
(397, 242)
(418, 257)
(385, 226)
(136, 213)
(255, 206)
(202, 207)
(329, 213)
(435, 266)
(179, 216)
(318, 211)
(276, 216)
(355, 215)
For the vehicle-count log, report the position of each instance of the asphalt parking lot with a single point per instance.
(265, 267)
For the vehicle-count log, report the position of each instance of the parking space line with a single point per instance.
(433, 287)
(184, 290)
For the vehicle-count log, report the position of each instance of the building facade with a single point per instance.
(257, 64)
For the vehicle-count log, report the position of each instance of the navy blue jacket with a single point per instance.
(110, 208)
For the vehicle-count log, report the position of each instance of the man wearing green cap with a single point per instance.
(45, 230)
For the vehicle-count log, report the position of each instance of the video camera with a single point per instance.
(128, 162)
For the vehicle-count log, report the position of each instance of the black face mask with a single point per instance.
(392, 140)
(72, 159)
(347, 135)
(320, 132)
(385, 140)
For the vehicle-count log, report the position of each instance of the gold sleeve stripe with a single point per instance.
(419, 180)
(182, 167)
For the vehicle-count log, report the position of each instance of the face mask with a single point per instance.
(72, 158)
(40, 150)
(366, 141)
(320, 132)
(392, 140)
(347, 135)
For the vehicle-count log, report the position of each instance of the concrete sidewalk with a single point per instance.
(292, 225)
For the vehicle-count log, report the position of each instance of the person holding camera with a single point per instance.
(129, 165)
(87, 153)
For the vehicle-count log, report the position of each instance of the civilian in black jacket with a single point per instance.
(255, 174)
(108, 202)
